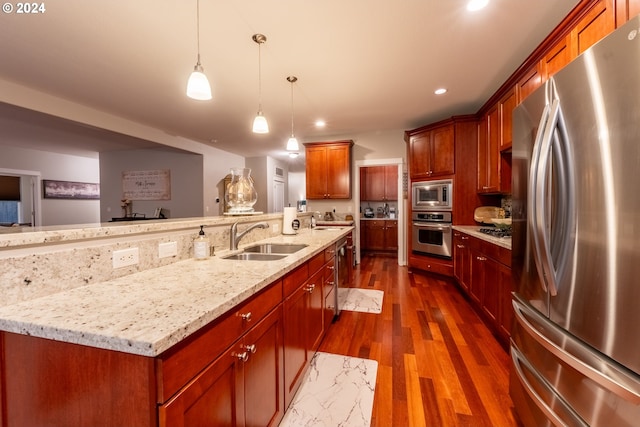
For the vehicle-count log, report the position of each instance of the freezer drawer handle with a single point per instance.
(613, 379)
(519, 360)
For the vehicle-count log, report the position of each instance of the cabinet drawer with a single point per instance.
(294, 279)
(316, 263)
(329, 253)
(181, 363)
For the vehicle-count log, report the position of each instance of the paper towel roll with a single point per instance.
(288, 218)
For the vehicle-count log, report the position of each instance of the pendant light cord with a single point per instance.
(292, 81)
(259, 79)
(198, 27)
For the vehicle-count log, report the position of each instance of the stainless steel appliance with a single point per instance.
(432, 195)
(335, 297)
(431, 233)
(576, 258)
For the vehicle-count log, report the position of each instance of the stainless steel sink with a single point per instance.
(253, 256)
(275, 248)
(328, 227)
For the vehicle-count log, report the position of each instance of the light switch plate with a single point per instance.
(167, 249)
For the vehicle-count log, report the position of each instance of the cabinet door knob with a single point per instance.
(243, 357)
(246, 316)
(251, 348)
(310, 288)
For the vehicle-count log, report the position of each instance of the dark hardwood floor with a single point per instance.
(438, 364)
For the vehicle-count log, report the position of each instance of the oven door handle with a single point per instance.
(432, 227)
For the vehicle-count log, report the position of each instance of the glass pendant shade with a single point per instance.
(260, 124)
(198, 86)
(292, 144)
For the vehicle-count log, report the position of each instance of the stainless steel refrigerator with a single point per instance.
(575, 342)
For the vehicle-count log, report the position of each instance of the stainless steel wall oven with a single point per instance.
(431, 233)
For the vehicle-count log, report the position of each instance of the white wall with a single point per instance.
(62, 167)
(186, 184)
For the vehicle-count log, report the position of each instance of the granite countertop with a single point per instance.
(474, 231)
(148, 312)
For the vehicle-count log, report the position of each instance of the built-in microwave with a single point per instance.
(432, 195)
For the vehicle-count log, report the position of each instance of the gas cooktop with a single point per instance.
(496, 232)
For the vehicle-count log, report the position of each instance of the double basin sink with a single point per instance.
(266, 252)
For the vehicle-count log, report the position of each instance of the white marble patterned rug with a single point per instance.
(337, 391)
(357, 299)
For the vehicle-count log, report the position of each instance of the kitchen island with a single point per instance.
(146, 348)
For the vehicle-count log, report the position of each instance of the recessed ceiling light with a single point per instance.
(440, 91)
(320, 123)
(474, 5)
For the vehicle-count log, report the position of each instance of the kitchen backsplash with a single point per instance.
(34, 271)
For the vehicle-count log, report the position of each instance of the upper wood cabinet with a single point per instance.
(626, 9)
(328, 170)
(431, 151)
(597, 23)
(557, 57)
(530, 81)
(489, 152)
(379, 183)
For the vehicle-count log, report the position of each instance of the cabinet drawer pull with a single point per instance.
(464, 238)
(481, 258)
(331, 283)
(331, 267)
(251, 348)
(246, 316)
(459, 246)
(310, 288)
(243, 357)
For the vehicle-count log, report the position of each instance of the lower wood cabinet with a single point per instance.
(244, 386)
(483, 271)
(379, 235)
(241, 370)
(304, 317)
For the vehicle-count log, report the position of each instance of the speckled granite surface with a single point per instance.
(148, 312)
(474, 231)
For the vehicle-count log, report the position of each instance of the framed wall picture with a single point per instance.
(146, 185)
(53, 189)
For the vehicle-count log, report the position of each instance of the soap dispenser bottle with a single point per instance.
(201, 245)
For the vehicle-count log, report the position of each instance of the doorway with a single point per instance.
(400, 205)
(24, 210)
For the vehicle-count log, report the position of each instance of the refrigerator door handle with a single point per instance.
(520, 361)
(565, 347)
(538, 220)
(532, 190)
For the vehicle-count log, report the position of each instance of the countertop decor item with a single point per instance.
(484, 214)
(241, 194)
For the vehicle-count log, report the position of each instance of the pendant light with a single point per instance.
(292, 143)
(198, 86)
(260, 124)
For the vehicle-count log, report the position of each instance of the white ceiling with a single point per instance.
(362, 65)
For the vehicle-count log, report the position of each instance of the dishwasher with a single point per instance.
(341, 276)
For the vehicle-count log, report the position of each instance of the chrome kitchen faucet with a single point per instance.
(235, 237)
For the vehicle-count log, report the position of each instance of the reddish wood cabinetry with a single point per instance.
(379, 183)
(431, 150)
(379, 235)
(328, 170)
(482, 270)
(304, 317)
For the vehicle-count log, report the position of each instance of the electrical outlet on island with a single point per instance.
(125, 257)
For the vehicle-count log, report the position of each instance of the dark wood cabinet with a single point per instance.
(328, 170)
(379, 183)
(482, 269)
(489, 152)
(461, 261)
(379, 235)
(304, 316)
(244, 386)
(431, 151)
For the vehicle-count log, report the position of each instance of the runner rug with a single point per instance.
(337, 391)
